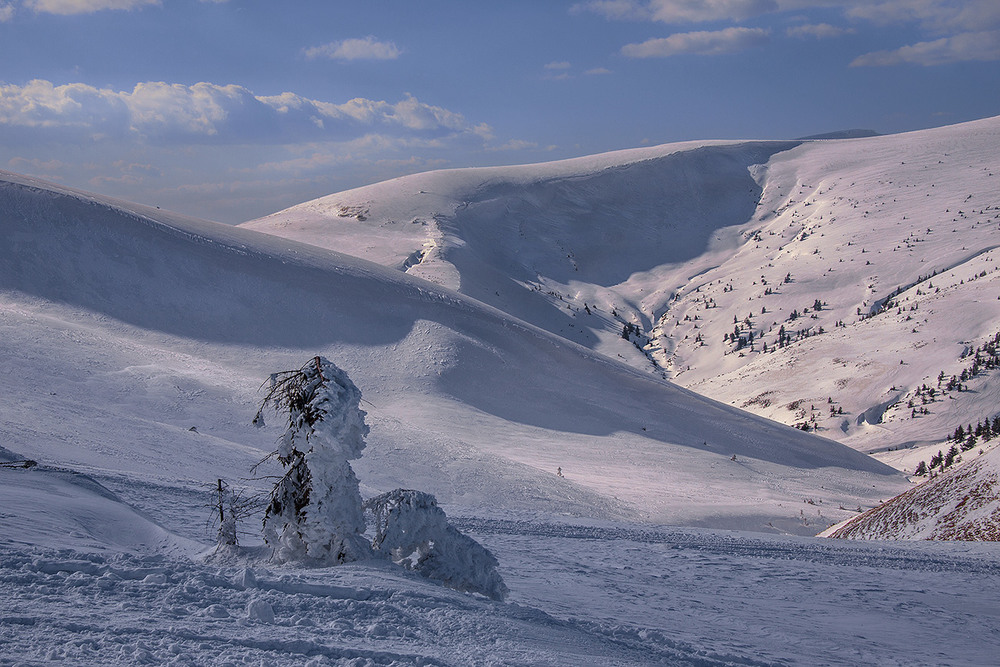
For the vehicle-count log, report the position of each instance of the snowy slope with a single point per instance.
(698, 245)
(144, 325)
(959, 504)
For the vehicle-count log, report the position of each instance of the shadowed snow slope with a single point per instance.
(716, 255)
(135, 340)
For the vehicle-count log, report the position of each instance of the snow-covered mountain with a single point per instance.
(133, 343)
(146, 324)
(819, 283)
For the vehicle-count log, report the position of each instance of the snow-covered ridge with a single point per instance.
(133, 342)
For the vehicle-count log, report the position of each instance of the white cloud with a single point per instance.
(368, 48)
(621, 10)
(66, 7)
(34, 165)
(597, 71)
(958, 30)
(730, 40)
(679, 11)
(206, 113)
(938, 15)
(6, 12)
(557, 71)
(73, 111)
(818, 31)
(969, 46)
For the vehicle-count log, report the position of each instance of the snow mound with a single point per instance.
(45, 506)
(414, 532)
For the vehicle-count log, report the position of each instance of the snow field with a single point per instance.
(512, 401)
(580, 594)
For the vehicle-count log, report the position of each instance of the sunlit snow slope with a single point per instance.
(134, 343)
(818, 283)
(961, 504)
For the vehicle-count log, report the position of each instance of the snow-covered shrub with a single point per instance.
(414, 532)
(314, 514)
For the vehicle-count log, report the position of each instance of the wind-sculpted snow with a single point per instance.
(43, 505)
(191, 278)
(514, 237)
(602, 227)
(412, 531)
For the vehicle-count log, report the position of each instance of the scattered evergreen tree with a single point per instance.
(936, 459)
(225, 504)
(950, 457)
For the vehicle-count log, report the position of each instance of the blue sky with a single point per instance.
(234, 109)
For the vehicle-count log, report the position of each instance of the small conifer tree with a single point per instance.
(314, 514)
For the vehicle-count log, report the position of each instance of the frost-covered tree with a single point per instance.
(314, 514)
(412, 531)
(225, 505)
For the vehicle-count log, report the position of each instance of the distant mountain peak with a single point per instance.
(842, 134)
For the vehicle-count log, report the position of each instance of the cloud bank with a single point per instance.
(965, 47)
(959, 30)
(206, 113)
